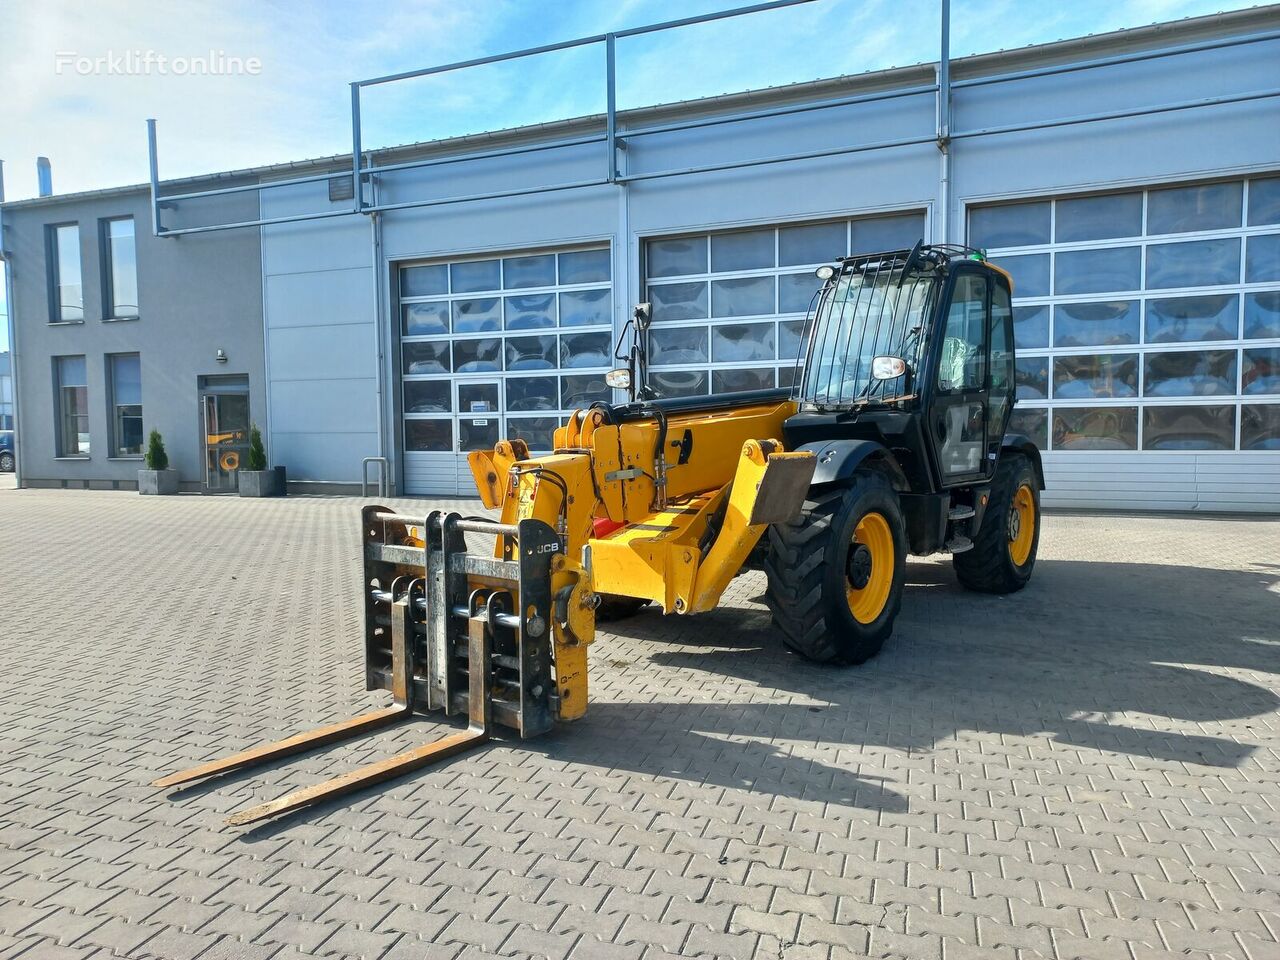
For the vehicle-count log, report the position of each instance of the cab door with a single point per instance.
(959, 411)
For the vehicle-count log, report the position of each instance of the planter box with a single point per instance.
(154, 483)
(257, 483)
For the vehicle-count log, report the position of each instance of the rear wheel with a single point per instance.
(1004, 549)
(836, 571)
(6, 462)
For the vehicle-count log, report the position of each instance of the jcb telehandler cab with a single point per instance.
(892, 442)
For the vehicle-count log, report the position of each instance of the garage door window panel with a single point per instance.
(1260, 426)
(1032, 423)
(735, 343)
(582, 390)
(427, 281)
(1264, 201)
(743, 297)
(734, 381)
(1262, 316)
(428, 435)
(882, 234)
(531, 353)
(475, 276)
(1031, 327)
(426, 357)
(1098, 218)
(1262, 259)
(673, 302)
(1189, 427)
(680, 257)
(1030, 274)
(1097, 271)
(748, 250)
(1095, 428)
(1031, 376)
(1095, 324)
(1010, 225)
(584, 308)
(425, 319)
(537, 432)
(1188, 319)
(1260, 371)
(585, 350)
(1095, 375)
(427, 396)
(1194, 263)
(673, 346)
(536, 271)
(530, 312)
(681, 383)
(584, 266)
(814, 244)
(478, 356)
(533, 393)
(477, 316)
(1190, 373)
(1212, 206)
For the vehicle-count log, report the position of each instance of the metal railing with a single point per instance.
(363, 169)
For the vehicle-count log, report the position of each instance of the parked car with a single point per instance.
(6, 451)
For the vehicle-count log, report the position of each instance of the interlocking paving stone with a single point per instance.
(1089, 768)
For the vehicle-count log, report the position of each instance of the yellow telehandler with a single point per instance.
(892, 442)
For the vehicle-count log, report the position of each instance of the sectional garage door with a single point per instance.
(494, 347)
(1148, 336)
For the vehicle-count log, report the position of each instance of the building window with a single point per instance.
(119, 269)
(1147, 319)
(73, 406)
(729, 308)
(66, 290)
(124, 372)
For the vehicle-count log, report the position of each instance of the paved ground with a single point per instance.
(1088, 769)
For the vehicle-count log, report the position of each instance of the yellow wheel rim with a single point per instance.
(869, 568)
(1022, 525)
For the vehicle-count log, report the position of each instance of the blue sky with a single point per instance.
(91, 127)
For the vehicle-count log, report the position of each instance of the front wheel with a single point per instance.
(6, 462)
(836, 571)
(1004, 548)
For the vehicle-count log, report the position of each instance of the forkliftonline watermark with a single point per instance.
(144, 63)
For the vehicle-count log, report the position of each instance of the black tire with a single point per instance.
(808, 566)
(6, 462)
(991, 567)
(613, 607)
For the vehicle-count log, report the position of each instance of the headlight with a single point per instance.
(620, 379)
(887, 368)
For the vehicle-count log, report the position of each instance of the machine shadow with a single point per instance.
(1082, 644)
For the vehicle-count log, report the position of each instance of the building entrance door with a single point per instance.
(225, 426)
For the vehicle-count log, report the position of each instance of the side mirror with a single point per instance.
(888, 368)
(619, 379)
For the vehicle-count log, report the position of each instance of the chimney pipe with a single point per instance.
(44, 174)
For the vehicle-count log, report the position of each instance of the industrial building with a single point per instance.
(473, 288)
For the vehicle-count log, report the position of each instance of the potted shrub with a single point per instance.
(157, 479)
(255, 479)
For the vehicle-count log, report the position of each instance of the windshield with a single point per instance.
(861, 315)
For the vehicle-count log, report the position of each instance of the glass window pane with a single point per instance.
(420, 357)
(585, 266)
(1189, 428)
(1261, 371)
(1095, 375)
(537, 432)
(1030, 274)
(787, 376)
(1190, 373)
(1262, 315)
(1032, 423)
(539, 271)
(475, 275)
(1210, 206)
(745, 297)
(677, 258)
(582, 390)
(477, 316)
(962, 364)
(532, 393)
(71, 371)
(128, 431)
(121, 253)
(584, 308)
(69, 303)
(879, 234)
(530, 313)
(1099, 218)
(1264, 201)
(424, 319)
(1186, 319)
(1260, 427)
(1096, 324)
(812, 243)
(673, 345)
(679, 301)
(1097, 271)
(478, 356)
(735, 381)
(531, 353)
(747, 250)
(734, 343)
(429, 281)
(477, 398)
(1031, 326)
(1032, 378)
(796, 290)
(428, 435)
(680, 383)
(1262, 259)
(477, 433)
(427, 396)
(790, 338)
(1095, 428)
(1201, 263)
(1009, 225)
(586, 350)
(126, 378)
